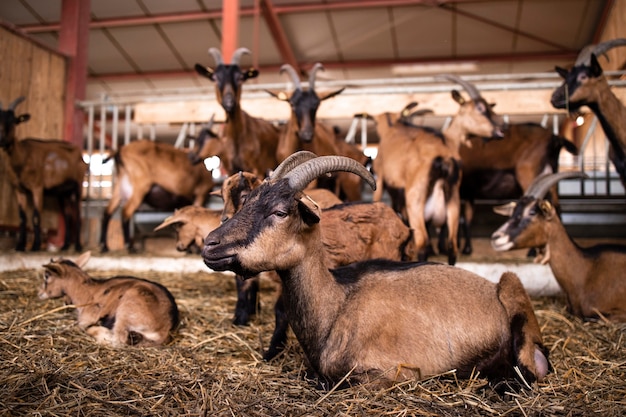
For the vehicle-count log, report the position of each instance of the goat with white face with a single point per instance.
(118, 311)
(592, 279)
(376, 321)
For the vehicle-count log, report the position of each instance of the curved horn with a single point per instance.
(174, 218)
(584, 56)
(316, 67)
(292, 74)
(303, 174)
(237, 55)
(469, 87)
(544, 182)
(290, 163)
(421, 112)
(15, 102)
(217, 56)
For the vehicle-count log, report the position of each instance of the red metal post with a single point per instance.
(73, 42)
(230, 28)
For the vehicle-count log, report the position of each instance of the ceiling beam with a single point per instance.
(278, 34)
(569, 55)
(244, 11)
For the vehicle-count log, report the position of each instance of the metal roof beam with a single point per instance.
(280, 38)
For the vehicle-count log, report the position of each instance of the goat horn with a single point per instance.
(290, 163)
(292, 74)
(544, 182)
(469, 87)
(237, 55)
(304, 173)
(217, 56)
(601, 48)
(316, 67)
(15, 102)
(168, 220)
(421, 112)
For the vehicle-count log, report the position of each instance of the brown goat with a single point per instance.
(586, 85)
(304, 132)
(592, 278)
(249, 142)
(118, 311)
(143, 164)
(351, 232)
(425, 164)
(192, 225)
(37, 167)
(380, 321)
(504, 169)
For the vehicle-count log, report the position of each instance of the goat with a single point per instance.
(504, 169)
(586, 85)
(118, 311)
(351, 232)
(143, 164)
(304, 132)
(192, 225)
(378, 321)
(249, 142)
(592, 278)
(426, 164)
(37, 167)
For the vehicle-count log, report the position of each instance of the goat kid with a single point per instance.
(118, 311)
(192, 224)
(42, 167)
(379, 321)
(592, 278)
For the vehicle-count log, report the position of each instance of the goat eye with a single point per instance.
(582, 77)
(280, 213)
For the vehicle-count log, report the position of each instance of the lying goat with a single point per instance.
(592, 278)
(378, 321)
(192, 225)
(37, 167)
(117, 311)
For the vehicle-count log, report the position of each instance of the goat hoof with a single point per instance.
(241, 320)
(467, 250)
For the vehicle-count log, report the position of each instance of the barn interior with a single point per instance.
(103, 74)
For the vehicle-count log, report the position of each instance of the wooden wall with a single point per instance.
(34, 71)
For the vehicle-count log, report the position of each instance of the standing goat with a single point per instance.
(585, 85)
(425, 166)
(143, 164)
(504, 169)
(249, 142)
(118, 311)
(592, 278)
(379, 321)
(304, 132)
(39, 167)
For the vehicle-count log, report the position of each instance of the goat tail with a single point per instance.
(448, 169)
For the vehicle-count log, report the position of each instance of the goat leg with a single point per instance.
(247, 300)
(279, 337)
(21, 239)
(36, 231)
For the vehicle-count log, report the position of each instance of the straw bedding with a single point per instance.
(49, 367)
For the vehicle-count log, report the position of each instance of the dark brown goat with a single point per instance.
(37, 167)
(586, 85)
(143, 164)
(249, 142)
(376, 322)
(504, 169)
(304, 132)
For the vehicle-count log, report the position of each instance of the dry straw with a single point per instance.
(49, 367)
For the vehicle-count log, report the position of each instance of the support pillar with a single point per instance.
(230, 28)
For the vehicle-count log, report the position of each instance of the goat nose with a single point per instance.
(211, 240)
(306, 135)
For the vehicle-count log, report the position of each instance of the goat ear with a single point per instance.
(251, 73)
(22, 118)
(596, 69)
(309, 210)
(333, 94)
(505, 209)
(561, 71)
(81, 261)
(54, 268)
(458, 97)
(205, 71)
(217, 193)
(546, 208)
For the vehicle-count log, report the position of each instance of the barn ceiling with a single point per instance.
(151, 46)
